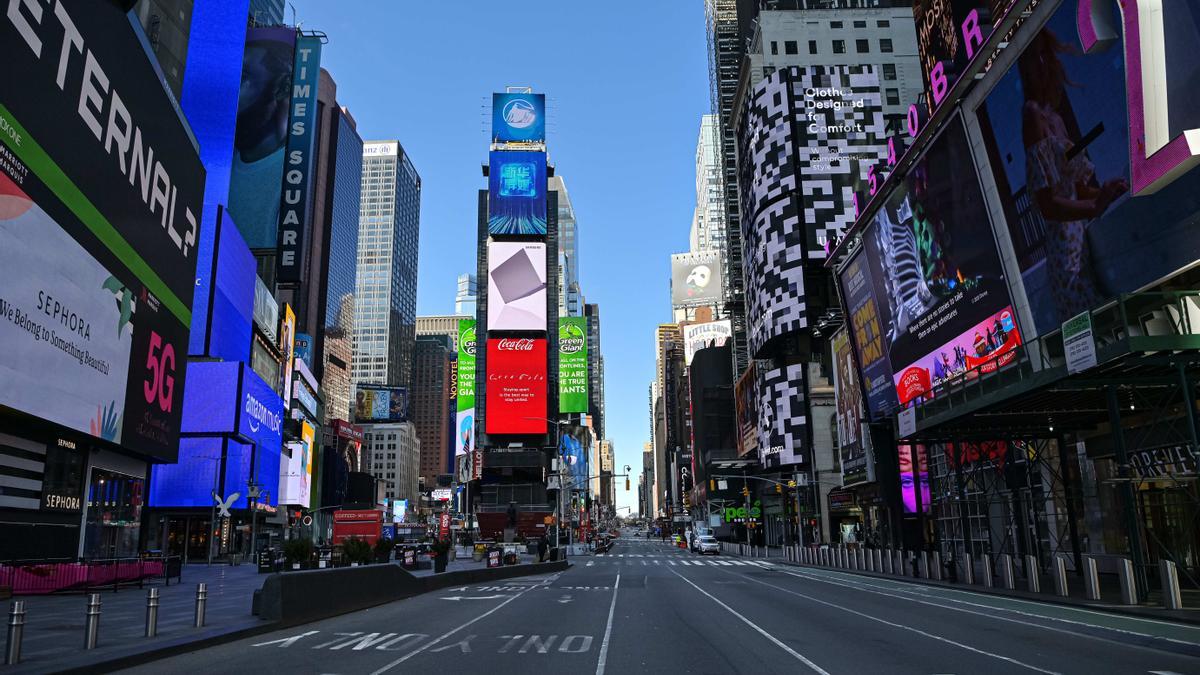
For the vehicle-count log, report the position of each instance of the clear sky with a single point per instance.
(626, 83)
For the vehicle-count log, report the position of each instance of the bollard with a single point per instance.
(91, 625)
(936, 569)
(889, 560)
(862, 559)
(1091, 578)
(1168, 574)
(988, 581)
(1006, 571)
(16, 630)
(969, 569)
(152, 612)
(870, 561)
(879, 560)
(924, 565)
(201, 601)
(1033, 574)
(1060, 576)
(1128, 589)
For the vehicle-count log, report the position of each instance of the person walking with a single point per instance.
(543, 546)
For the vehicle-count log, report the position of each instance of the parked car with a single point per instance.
(707, 543)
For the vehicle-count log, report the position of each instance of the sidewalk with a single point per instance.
(1109, 590)
(463, 562)
(54, 624)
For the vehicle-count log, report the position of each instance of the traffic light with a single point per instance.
(778, 488)
(712, 485)
(745, 492)
(791, 483)
(627, 483)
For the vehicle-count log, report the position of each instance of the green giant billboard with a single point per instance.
(465, 424)
(572, 365)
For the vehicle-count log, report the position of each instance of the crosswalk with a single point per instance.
(648, 561)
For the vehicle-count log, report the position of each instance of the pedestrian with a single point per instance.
(543, 546)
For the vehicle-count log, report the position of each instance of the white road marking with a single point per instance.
(286, 642)
(901, 626)
(800, 657)
(590, 563)
(608, 629)
(447, 634)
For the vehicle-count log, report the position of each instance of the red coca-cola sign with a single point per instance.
(516, 386)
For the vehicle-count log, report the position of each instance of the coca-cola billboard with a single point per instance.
(516, 386)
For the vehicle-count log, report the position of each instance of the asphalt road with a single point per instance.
(647, 607)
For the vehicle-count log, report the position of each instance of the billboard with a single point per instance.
(782, 414)
(264, 105)
(295, 477)
(465, 422)
(697, 336)
(745, 401)
(380, 403)
(518, 118)
(913, 478)
(571, 451)
(260, 414)
(102, 191)
(287, 347)
(516, 386)
(1057, 132)
(294, 213)
(222, 323)
(696, 279)
(516, 286)
(940, 38)
(572, 364)
(939, 271)
(517, 192)
(189, 481)
(853, 439)
(868, 318)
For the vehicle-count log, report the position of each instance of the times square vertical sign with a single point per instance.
(101, 191)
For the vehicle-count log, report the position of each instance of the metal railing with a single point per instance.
(67, 575)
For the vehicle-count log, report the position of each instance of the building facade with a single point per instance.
(708, 218)
(441, 325)
(392, 454)
(466, 298)
(570, 297)
(430, 403)
(385, 311)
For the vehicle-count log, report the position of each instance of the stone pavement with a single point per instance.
(54, 624)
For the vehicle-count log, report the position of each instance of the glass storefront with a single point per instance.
(114, 515)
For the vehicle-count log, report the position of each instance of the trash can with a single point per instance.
(494, 554)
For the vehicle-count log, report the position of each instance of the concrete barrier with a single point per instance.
(1129, 594)
(1091, 578)
(300, 597)
(1033, 574)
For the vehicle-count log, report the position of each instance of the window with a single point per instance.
(862, 46)
(885, 45)
(889, 71)
(774, 48)
(860, 24)
(883, 23)
(835, 24)
(789, 46)
(893, 96)
(839, 46)
(812, 46)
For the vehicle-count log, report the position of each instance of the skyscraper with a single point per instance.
(708, 219)
(429, 403)
(467, 296)
(266, 12)
(570, 297)
(385, 311)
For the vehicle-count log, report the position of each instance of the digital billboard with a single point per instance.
(287, 347)
(294, 213)
(868, 318)
(465, 401)
(518, 118)
(940, 43)
(229, 281)
(570, 450)
(264, 106)
(697, 336)
(380, 403)
(517, 192)
(696, 279)
(210, 400)
(782, 414)
(516, 386)
(102, 194)
(745, 400)
(852, 437)
(190, 480)
(295, 476)
(938, 269)
(911, 479)
(260, 415)
(516, 286)
(1057, 131)
(572, 364)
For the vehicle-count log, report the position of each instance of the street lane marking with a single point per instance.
(286, 642)
(590, 563)
(750, 623)
(905, 595)
(899, 625)
(443, 636)
(608, 629)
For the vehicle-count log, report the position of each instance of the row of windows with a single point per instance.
(861, 46)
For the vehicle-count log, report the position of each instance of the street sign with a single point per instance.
(908, 422)
(1078, 343)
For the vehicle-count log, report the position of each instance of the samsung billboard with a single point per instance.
(102, 190)
(516, 286)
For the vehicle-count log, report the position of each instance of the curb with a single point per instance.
(183, 645)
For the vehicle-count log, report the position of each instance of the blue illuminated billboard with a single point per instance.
(260, 413)
(517, 192)
(189, 481)
(518, 118)
(210, 397)
(231, 303)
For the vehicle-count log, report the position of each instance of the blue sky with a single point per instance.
(626, 84)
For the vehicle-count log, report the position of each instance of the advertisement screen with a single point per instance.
(227, 335)
(940, 273)
(516, 286)
(260, 416)
(745, 399)
(516, 192)
(696, 279)
(518, 117)
(910, 479)
(516, 386)
(295, 475)
(99, 254)
(287, 347)
(782, 415)
(294, 213)
(264, 104)
(572, 364)
(380, 403)
(697, 336)
(210, 402)
(868, 319)
(190, 481)
(851, 431)
(940, 36)
(575, 460)
(1056, 128)
(465, 402)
